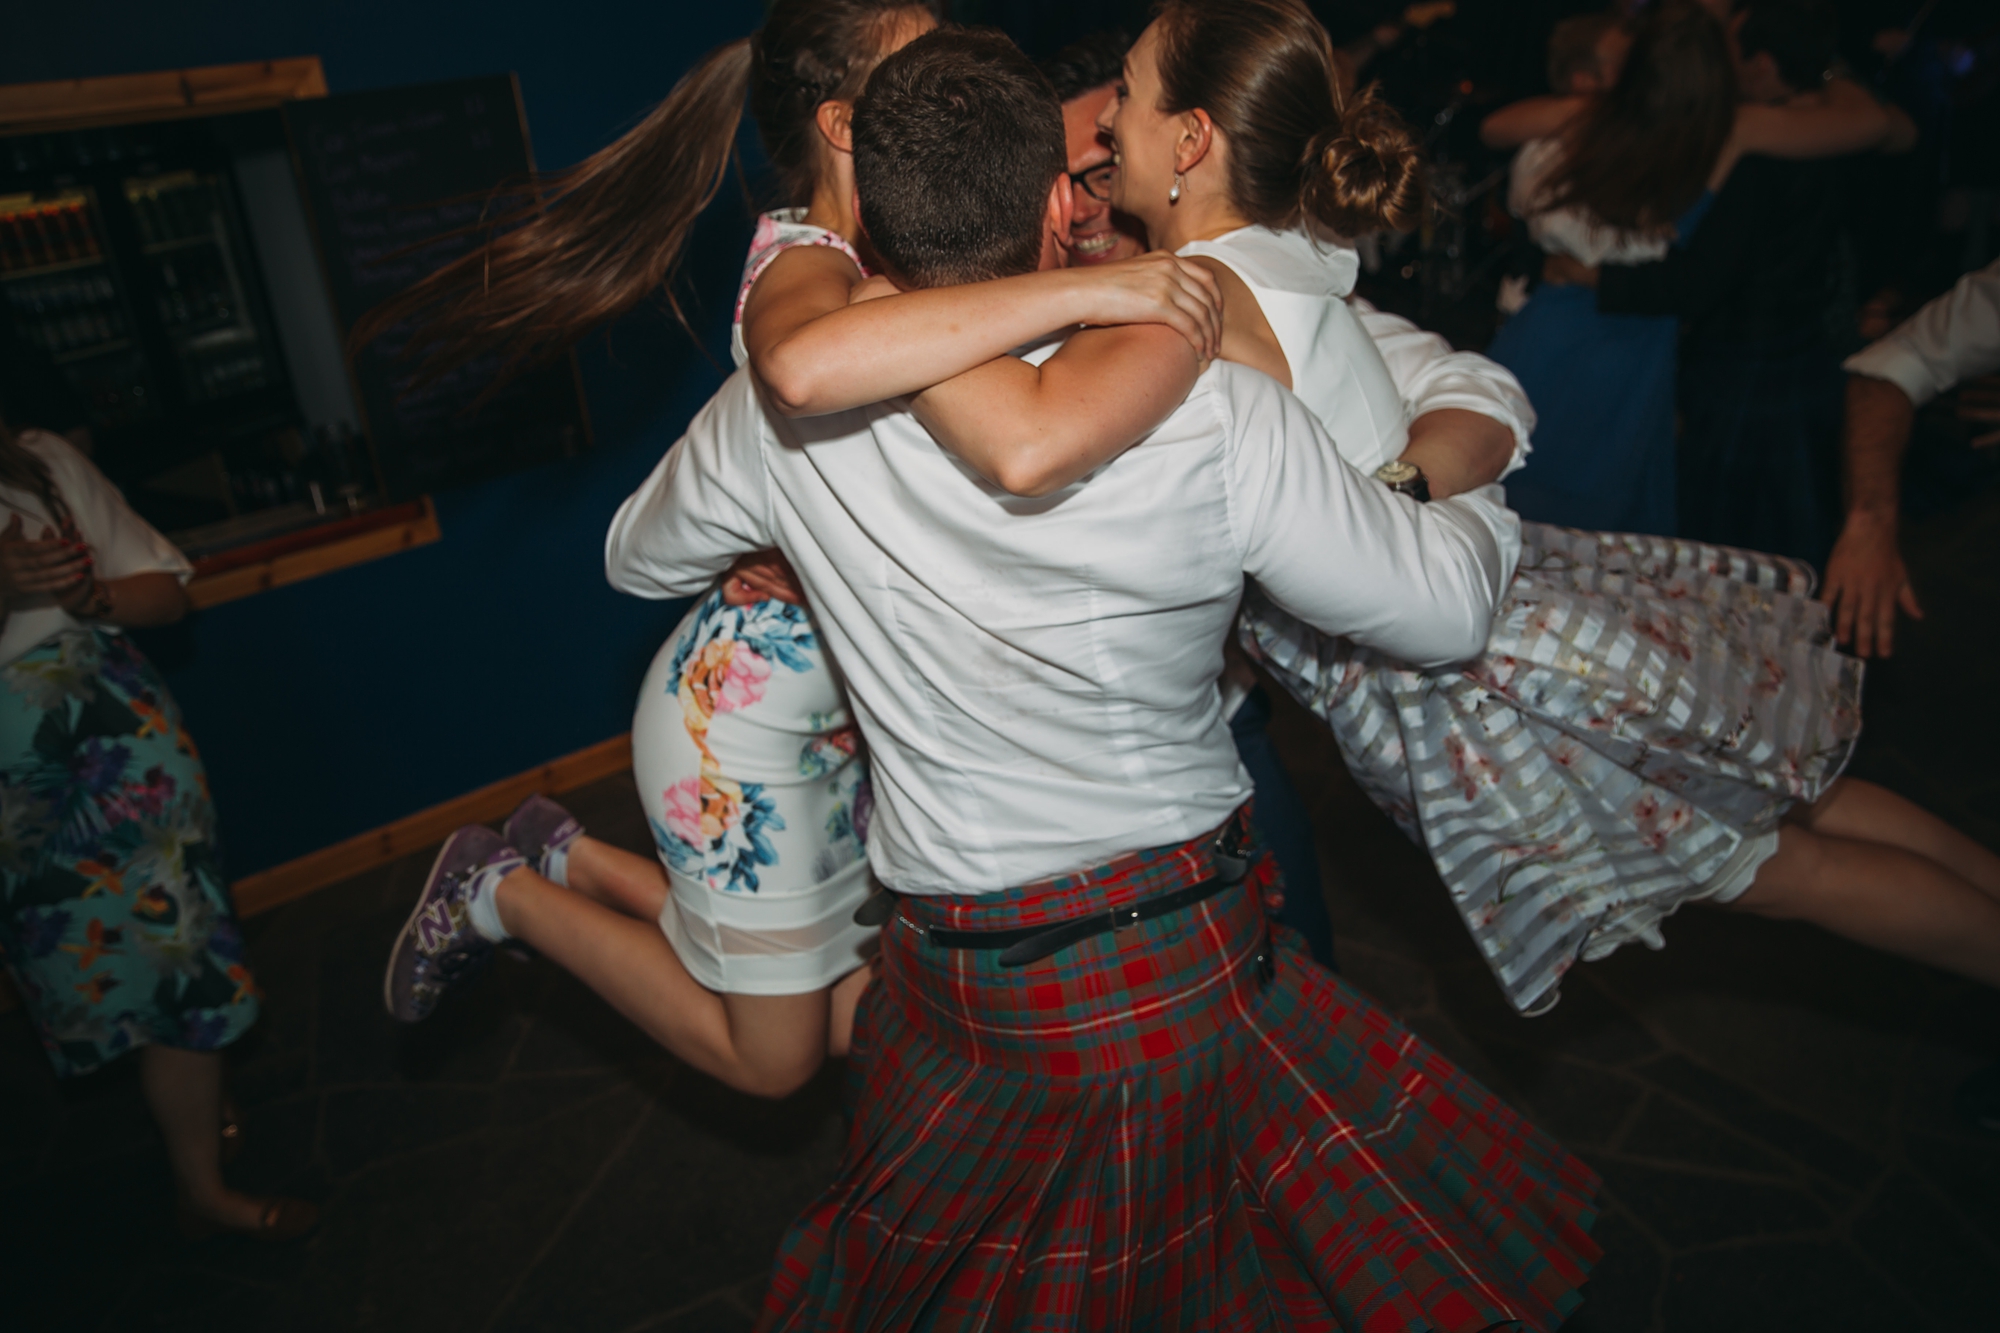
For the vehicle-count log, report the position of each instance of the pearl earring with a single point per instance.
(1174, 195)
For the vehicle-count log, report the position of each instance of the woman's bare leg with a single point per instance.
(183, 1089)
(623, 881)
(766, 1045)
(1867, 813)
(1884, 896)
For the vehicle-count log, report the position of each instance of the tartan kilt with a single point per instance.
(1142, 1132)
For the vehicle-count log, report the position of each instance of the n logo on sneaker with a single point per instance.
(433, 927)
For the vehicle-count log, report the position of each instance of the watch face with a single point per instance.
(1397, 472)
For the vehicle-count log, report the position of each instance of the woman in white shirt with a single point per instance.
(115, 920)
(1652, 722)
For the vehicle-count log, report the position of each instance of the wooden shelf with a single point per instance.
(298, 556)
(65, 266)
(166, 95)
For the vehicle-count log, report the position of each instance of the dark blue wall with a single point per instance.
(336, 705)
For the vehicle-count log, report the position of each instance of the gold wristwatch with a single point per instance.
(1407, 478)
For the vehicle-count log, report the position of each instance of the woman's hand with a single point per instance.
(761, 576)
(1155, 288)
(48, 567)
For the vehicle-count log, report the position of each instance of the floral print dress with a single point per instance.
(115, 920)
(751, 772)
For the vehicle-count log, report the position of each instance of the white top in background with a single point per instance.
(1036, 678)
(1570, 231)
(1949, 341)
(121, 541)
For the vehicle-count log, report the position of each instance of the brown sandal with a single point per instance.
(280, 1220)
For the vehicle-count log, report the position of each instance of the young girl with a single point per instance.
(746, 760)
(1653, 723)
(1617, 178)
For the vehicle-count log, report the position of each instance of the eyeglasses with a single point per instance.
(1095, 182)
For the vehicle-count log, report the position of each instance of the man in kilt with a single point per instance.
(1093, 1088)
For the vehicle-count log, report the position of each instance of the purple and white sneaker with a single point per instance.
(542, 831)
(439, 947)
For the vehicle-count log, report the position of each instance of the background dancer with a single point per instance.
(1953, 339)
(1171, 1122)
(1616, 178)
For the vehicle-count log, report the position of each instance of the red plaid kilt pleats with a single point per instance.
(1141, 1132)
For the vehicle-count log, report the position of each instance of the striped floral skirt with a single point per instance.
(1645, 712)
(1151, 1131)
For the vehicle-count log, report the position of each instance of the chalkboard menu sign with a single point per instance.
(384, 172)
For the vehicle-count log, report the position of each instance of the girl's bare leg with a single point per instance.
(1867, 813)
(623, 881)
(183, 1090)
(766, 1045)
(1884, 896)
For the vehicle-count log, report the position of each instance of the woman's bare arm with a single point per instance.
(1529, 119)
(1841, 118)
(813, 359)
(1459, 450)
(1032, 430)
(135, 601)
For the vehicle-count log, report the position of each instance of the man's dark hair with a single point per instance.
(957, 139)
(1799, 36)
(1090, 63)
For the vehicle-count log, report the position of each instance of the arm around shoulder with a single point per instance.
(1032, 430)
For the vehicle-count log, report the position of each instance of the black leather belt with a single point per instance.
(1031, 944)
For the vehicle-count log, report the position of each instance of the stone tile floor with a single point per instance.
(1770, 1107)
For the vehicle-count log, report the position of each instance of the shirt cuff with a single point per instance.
(1889, 359)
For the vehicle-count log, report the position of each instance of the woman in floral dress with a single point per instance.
(115, 921)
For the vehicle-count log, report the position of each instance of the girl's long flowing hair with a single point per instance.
(589, 243)
(1644, 152)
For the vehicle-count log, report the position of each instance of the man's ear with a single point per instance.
(836, 124)
(1197, 137)
(1062, 209)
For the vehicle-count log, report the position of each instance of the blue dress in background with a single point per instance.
(1603, 387)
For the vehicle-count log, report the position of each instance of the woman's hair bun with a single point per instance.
(1365, 173)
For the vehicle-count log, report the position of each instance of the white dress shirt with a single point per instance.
(1950, 340)
(121, 543)
(1036, 678)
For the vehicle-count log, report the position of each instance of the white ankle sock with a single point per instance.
(483, 905)
(555, 865)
